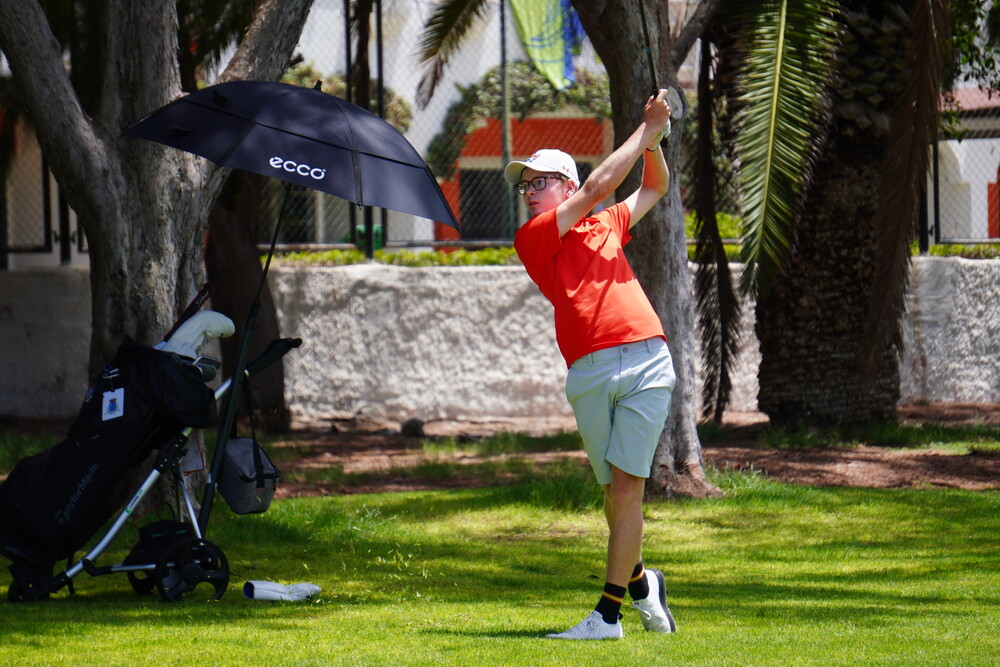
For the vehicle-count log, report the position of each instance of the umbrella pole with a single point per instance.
(238, 377)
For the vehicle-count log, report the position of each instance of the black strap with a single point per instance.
(207, 290)
(258, 462)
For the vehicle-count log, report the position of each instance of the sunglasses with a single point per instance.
(537, 184)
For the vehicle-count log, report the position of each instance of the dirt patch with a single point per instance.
(378, 453)
(950, 413)
(874, 467)
(379, 457)
(868, 466)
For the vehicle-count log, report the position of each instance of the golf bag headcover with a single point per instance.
(198, 329)
(268, 590)
(54, 501)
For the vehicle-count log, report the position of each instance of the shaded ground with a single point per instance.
(372, 458)
(378, 458)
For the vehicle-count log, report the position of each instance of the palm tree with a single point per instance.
(832, 159)
(832, 287)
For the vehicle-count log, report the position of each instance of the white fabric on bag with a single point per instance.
(269, 590)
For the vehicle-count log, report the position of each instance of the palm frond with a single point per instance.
(904, 168)
(441, 37)
(717, 304)
(789, 59)
(719, 317)
(213, 26)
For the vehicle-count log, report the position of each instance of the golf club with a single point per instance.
(677, 102)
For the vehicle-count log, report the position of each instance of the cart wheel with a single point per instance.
(29, 584)
(15, 593)
(142, 582)
(188, 562)
(26, 592)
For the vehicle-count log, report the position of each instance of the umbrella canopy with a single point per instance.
(302, 136)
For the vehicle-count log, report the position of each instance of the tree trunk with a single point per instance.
(234, 269)
(658, 252)
(810, 323)
(143, 207)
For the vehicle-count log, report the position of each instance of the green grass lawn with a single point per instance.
(769, 574)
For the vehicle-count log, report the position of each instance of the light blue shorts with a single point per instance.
(620, 397)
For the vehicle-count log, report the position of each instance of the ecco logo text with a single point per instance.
(295, 168)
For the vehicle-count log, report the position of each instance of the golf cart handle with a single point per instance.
(278, 348)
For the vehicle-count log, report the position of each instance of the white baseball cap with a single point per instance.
(547, 159)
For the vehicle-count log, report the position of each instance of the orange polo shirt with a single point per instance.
(597, 299)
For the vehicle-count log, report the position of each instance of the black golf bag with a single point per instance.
(53, 502)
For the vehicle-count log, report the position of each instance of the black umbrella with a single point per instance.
(304, 137)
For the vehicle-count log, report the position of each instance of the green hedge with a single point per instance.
(459, 257)
(507, 257)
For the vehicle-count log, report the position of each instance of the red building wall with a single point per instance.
(993, 206)
(585, 138)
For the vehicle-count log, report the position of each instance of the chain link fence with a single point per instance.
(963, 201)
(491, 105)
(24, 198)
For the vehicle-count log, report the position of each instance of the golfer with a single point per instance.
(620, 373)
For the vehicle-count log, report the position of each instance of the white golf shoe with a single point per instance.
(592, 627)
(653, 610)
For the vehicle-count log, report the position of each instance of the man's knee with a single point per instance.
(624, 487)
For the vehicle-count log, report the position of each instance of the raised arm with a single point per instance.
(612, 171)
(655, 179)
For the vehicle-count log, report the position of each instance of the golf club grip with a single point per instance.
(278, 348)
(674, 99)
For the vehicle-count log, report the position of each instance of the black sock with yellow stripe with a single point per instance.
(638, 587)
(610, 604)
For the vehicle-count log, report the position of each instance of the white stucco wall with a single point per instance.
(44, 341)
(435, 343)
(952, 340)
(464, 342)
